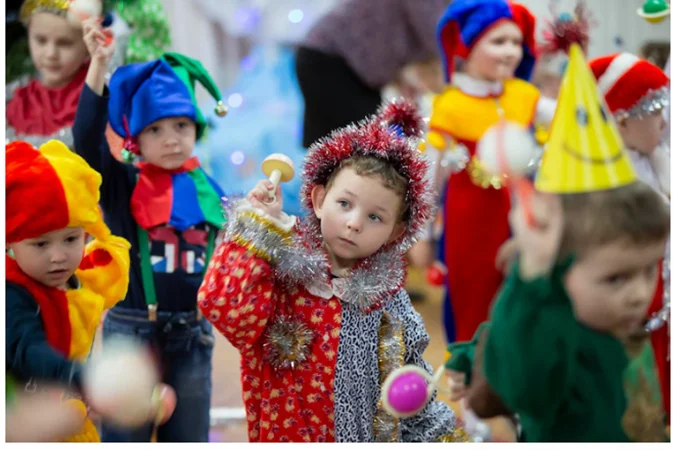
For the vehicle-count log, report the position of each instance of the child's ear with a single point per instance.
(318, 198)
(623, 125)
(397, 232)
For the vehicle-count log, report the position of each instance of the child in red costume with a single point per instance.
(636, 92)
(317, 309)
(495, 40)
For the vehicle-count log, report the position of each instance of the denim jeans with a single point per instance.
(184, 348)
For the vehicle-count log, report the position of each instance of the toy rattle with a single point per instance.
(507, 149)
(277, 167)
(122, 385)
(407, 390)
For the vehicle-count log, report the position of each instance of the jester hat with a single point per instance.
(142, 93)
(53, 188)
(465, 21)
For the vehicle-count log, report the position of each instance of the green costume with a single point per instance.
(566, 381)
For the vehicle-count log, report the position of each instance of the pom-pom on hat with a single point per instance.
(632, 87)
(465, 21)
(390, 135)
(142, 93)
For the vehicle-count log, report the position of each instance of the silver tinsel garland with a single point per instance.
(663, 316)
(652, 102)
(287, 343)
(256, 232)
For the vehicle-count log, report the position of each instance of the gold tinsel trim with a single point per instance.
(391, 356)
(643, 420)
(251, 248)
(481, 177)
(458, 435)
(31, 7)
(272, 226)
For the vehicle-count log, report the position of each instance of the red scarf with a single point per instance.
(37, 110)
(53, 306)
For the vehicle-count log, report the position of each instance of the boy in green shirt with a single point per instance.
(565, 349)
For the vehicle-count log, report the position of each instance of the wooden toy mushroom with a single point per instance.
(277, 167)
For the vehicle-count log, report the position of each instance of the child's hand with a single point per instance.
(457, 387)
(259, 196)
(505, 255)
(538, 244)
(98, 41)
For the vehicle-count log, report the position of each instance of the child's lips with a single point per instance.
(347, 241)
(57, 272)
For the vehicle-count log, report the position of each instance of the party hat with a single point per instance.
(585, 152)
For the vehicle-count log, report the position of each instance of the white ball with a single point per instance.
(120, 381)
(91, 8)
(518, 147)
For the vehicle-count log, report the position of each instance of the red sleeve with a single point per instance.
(239, 293)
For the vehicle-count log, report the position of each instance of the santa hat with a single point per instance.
(632, 87)
(53, 188)
(389, 135)
(465, 21)
(142, 93)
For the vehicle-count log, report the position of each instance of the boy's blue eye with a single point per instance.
(71, 239)
(374, 217)
(343, 203)
(40, 244)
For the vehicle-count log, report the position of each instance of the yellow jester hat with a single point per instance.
(585, 152)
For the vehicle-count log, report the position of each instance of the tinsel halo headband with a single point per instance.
(58, 7)
(392, 135)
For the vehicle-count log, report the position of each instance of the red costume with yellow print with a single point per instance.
(50, 189)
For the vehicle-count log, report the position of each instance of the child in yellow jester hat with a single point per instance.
(57, 284)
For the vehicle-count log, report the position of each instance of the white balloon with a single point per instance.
(518, 147)
(120, 381)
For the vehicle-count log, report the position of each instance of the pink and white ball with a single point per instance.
(517, 145)
(122, 385)
(406, 391)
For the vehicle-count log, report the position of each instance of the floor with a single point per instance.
(227, 387)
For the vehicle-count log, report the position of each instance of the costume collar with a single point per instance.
(181, 197)
(368, 285)
(477, 88)
(35, 110)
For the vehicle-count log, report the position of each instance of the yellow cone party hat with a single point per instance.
(584, 152)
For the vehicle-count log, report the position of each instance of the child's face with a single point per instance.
(612, 286)
(497, 54)
(51, 258)
(56, 48)
(168, 143)
(358, 215)
(645, 134)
